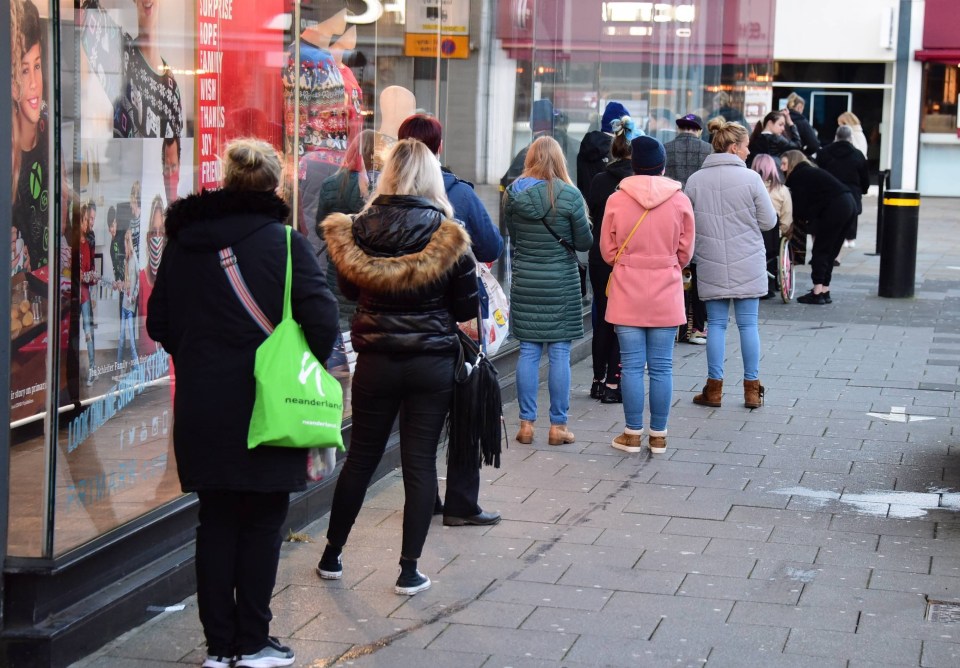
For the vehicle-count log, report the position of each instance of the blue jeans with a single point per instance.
(126, 337)
(86, 316)
(651, 347)
(558, 379)
(745, 311)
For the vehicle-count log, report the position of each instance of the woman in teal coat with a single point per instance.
(546, 218)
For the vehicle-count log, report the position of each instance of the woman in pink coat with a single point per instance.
(647, 236)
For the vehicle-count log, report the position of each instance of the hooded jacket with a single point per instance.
(485, 239)
(593, 158)
(646, 286)
(604, 184)
(197, 318)
(846, 162)
(409, 270)
(545, 301)
(809, 142)
(731, 207)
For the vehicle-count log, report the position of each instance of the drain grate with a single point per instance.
(943, 612)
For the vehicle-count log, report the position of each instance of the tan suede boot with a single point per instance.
(559, 434)
(711, 394)
(657, 442)
(753, 393)
(525, 435)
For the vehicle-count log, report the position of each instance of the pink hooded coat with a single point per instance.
(646, 287)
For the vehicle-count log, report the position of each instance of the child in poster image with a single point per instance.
(135, 77)
(130, 289)
(30, 189)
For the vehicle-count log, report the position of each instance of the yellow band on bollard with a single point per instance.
(900, 202)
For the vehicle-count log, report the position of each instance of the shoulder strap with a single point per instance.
(563, 242)
(629, 237)
(228, 262)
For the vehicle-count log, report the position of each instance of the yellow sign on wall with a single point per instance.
(426, 46)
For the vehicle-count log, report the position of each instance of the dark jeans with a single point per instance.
(238, 550)
(694, 303)
(829, 235)
(418, 388)
(606, 346)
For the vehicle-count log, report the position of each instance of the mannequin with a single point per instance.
(319, 35)
(396, 105)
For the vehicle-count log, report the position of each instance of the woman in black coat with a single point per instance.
(195, 315)
(606, 346)
(407, 264)
(774, 135)
(828, 207)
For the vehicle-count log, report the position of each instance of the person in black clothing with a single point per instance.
(594, 152)
(461, 502)
(198, 319)
(828, 207)
(606, 345)
(809, 143)
(846, 162)
(408, 265)
(774, 135)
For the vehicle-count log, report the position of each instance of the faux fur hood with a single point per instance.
(396, 273)
(215, 219)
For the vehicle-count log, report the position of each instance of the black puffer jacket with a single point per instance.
(410, 271)
(195, 315)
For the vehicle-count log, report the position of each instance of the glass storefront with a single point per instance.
(121, 107)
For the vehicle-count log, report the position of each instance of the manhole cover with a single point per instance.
(943, 612)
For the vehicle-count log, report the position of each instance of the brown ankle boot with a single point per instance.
(711, 394)
(559, 434)
(658, 442)
(753, 393)
(525, 435)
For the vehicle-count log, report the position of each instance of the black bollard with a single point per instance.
(898, 262)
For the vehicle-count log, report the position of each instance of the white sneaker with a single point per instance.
(852, 243)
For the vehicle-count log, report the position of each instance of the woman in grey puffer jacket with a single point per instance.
(731, 207)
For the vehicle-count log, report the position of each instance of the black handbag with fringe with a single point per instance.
(475, 422)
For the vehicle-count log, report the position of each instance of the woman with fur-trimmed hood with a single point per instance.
(407, 264)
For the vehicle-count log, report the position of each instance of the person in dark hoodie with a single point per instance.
(408, 265)
(461, 506)
(846, 162)
(605, 345)
(594, 152)
(195, 315)
(809, 143)
(829, 209)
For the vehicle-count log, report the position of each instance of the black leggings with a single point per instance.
(840, 213)
(605, 345)
(418, 388)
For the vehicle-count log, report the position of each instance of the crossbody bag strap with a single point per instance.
(629, 237)
(228, 262)
(563, 242)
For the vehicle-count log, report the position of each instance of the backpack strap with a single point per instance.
(228, 262)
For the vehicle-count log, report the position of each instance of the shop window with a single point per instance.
(940, 98)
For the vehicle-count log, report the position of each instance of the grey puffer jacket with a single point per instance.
(731, 207)
(545, 302)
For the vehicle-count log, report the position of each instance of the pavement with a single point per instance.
(820, 530)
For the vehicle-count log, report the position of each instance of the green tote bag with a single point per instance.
(298, 403)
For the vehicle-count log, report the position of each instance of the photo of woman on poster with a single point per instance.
(30, 236)
(156, 240)
(139, 82)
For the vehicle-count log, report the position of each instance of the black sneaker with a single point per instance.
(411, 581)
(596, 390)
(812, 298)
(272, 655)
(330, 566)
(826, 298)
(611, 395)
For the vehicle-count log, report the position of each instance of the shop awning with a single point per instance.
(938, 55)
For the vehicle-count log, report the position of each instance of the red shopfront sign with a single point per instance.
(941, 32)
(695, 31)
